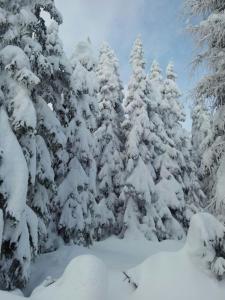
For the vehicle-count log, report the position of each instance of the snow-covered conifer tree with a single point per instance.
(18, 149)
(156, 72)
(85, 81)
(48, 62)
(175, 170)
(209, 35)
(24, 68)
(143, 211)
(84, 64)
(109, 139)
(77, 192)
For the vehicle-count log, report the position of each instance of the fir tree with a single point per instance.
(48, 62)
(23, 71)
(18, 150)
(84, 64)
(209, 35)
(109, 139)
(77, 192)
(139, 191)
(176, 171)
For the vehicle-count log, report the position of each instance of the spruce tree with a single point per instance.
(142, 210)
(209, 36)
(110, 142)
(18, 124)
(174, 167)
(77, 192)
(84, 63)
(26, 73)
(84, 78)
(48, 62)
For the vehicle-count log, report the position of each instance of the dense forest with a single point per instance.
(84, 156)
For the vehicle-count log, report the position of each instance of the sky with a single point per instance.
(160, 23)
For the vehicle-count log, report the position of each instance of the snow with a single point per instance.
(117, 255)
(85, 278)
(205, 242)
(171, 276)
(13, 169)
(158, 271)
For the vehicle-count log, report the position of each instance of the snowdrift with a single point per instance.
(189, 274)
(195, 272)
(85, 278)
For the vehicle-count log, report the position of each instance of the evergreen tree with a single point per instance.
(164, 160)
(209, 35)
(144, 211)
(176, 171)
(24, 69)
(110, 142)
(138, 192)
(156, 72)
(77, 192)
(17, 124)
(84, 64)
(48, 62)
(85, 80)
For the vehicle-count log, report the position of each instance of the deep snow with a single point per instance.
(168, 270)
(118, 255)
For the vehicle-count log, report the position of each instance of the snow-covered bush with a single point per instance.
(206, 243)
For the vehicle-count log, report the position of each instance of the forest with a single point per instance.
(91, 165)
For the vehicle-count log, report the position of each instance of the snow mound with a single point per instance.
(85, 278)
(175, 276)
(206, 243)
(188, 274)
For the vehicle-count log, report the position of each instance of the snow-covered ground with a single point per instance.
(117, 255)
(168, 270)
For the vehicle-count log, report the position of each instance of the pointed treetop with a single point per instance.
(106, 53)
(84, 54)
(105, 47)
(155, 72)
(137, 54)
(170, 73)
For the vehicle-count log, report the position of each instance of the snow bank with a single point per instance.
(85, 278)
(185, 274)
(189, 273)
(10, 296)
(172, 276)
(206, 243)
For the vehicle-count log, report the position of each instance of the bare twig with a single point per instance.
(130, 281)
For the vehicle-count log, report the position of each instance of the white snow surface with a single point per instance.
(164, 270)
(13, 169)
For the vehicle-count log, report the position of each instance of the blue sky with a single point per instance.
(118, 22)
